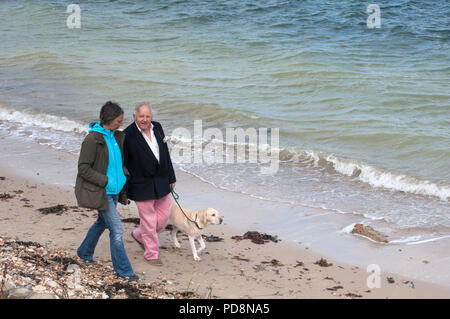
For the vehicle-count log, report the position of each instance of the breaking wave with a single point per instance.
(376, 177)
(44, 121)
(365, 173)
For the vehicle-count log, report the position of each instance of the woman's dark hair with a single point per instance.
(109, 112)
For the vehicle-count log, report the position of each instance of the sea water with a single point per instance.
(363, 113)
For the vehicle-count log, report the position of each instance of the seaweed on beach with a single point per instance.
(58, 209)
(5, 196)
(36, 259)
(241, 259)
(47, 272)
(19, 243)
(131, 291)
(65, 261)
(257, 237)
(323, 263)
(352, 295)
(212, 238)
(3, 294)
(131, 220)
(273, 262)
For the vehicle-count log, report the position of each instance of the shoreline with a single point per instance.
(228, 269)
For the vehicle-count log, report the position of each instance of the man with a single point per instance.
(147, 158)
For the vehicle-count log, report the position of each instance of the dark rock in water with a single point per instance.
(58, 209)
(369, 232)
(390, 280)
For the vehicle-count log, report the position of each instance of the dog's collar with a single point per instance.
(176, 196)
(195, 221)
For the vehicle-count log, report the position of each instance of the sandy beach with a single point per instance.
(302, 120)
(229, 268)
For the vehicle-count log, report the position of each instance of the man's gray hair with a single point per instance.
(142, 104)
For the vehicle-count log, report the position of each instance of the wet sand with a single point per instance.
(228, 269)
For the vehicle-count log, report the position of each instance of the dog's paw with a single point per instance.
(196, 258)
(177, 245)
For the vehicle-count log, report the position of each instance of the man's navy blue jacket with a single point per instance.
(149, 179)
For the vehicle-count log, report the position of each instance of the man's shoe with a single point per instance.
(140, 244)
(155, 262)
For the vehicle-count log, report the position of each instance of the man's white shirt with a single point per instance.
(153, 143)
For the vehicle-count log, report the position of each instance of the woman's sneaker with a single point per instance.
(87, 261)
(132, 277)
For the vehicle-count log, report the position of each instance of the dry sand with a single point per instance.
(228, 269)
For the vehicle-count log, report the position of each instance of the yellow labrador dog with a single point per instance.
(203, 218)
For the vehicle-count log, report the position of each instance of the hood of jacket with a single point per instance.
(115, 173)
(97, 127)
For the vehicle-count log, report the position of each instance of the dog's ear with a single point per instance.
(202, 216)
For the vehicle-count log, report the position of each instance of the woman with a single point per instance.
(99, 185)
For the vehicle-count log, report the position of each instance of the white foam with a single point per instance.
(427, 240)
(378, 178)
(345, 167)
(406, 240)
(383, 179)
(368, 174)
(45, 121)
(314, 156)
(349, 228)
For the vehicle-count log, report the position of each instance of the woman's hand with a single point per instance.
(172, 186)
